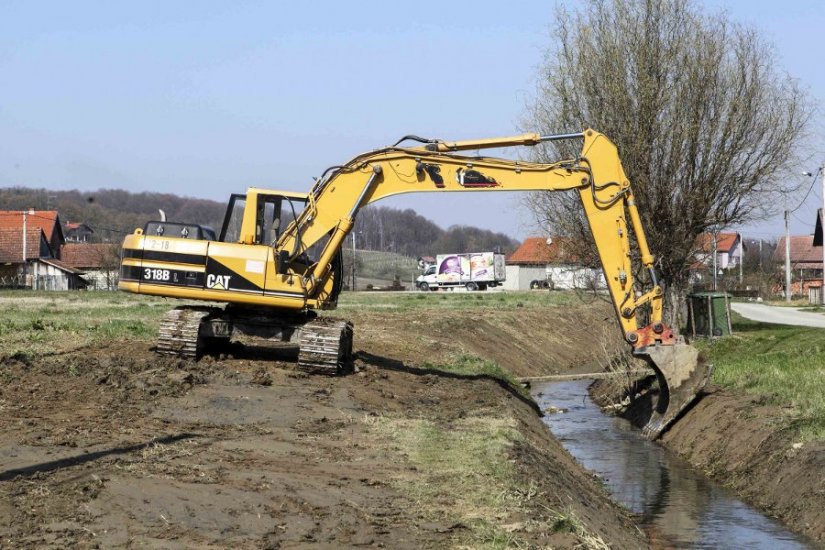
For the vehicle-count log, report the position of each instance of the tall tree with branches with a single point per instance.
(706, 124)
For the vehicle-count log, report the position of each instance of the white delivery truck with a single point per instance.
(473, 271)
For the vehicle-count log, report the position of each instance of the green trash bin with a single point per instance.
(709, 314)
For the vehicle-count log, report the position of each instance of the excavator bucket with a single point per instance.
(681, 374)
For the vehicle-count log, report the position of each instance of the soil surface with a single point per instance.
(746, 445)
(112, 446)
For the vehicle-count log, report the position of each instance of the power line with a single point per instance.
(813, 180)
(794, 216)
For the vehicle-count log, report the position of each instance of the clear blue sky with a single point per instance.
(207, 98)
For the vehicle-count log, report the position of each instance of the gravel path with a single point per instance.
(779, 315)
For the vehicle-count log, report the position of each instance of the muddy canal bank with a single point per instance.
(106, 446)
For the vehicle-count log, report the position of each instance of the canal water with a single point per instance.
(678, 506)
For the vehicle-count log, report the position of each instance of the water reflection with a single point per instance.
(678, 506)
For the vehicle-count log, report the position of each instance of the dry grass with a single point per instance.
(567, 521)
(463, 474)
(408, 301)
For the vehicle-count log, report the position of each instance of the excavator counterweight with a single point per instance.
(277, 258)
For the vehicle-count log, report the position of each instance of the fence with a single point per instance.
(56, 282)
(13, 281)
(40, 282)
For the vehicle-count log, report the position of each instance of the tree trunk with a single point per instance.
(676, 311)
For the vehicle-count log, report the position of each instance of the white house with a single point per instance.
(541, 263)
(730, 249)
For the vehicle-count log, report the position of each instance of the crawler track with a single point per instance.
(325, 346)
(178, 334)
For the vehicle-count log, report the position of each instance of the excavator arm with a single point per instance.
(597, 176)
(607, 198)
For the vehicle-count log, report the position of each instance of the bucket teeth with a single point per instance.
(681, 375)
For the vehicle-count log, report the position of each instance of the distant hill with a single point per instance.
(112, 213)
(408, 233)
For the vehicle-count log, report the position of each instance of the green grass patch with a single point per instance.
(411, 301)
(35, 323)
(785, 364)
(781, 302)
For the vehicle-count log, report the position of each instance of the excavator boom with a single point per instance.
(286, 259)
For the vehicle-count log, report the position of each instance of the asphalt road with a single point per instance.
(779, 315)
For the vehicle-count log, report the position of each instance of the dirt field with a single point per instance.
(106, 445)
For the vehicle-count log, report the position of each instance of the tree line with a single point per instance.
(113, 213)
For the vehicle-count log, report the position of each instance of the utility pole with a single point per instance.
(25, 265)
(714, 258)
(353, 262)
(787, 255)
(821, 216)
(741, 258)
(760, 254)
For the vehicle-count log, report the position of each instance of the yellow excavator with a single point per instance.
(277, 258)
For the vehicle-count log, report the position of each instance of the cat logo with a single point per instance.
(218, 282)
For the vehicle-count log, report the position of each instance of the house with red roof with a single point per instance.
(542, 262)
(77, 232)
(30, 243)
(729, 249)
(806, 258)
(46, 220)
(100, 263)
(806, 261)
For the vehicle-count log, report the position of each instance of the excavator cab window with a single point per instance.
(274, 214)
(231, 230)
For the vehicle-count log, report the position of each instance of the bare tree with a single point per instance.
(706, 125)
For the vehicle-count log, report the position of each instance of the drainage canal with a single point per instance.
(678, 507)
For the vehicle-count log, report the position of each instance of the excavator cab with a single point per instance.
(273, 212)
